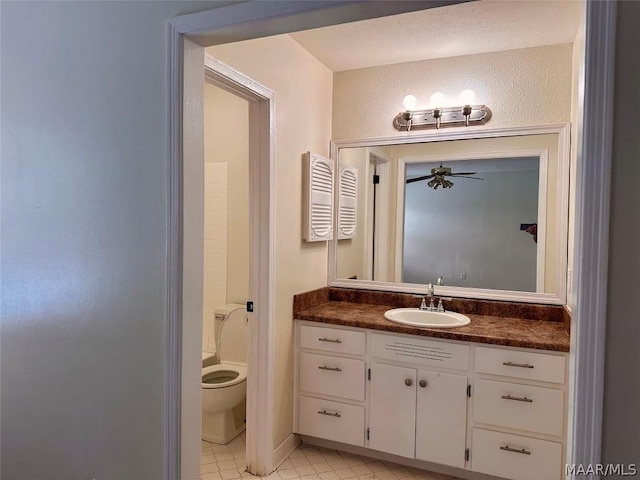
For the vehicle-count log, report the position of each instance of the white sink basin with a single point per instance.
(423, 318)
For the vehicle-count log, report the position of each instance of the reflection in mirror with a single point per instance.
(476, 230)
(479, 213)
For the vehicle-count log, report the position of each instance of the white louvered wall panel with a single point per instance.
(348, 202)
(318, 222)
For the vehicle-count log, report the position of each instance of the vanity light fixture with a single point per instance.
(441, 115)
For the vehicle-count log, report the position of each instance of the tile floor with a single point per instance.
(226, 462)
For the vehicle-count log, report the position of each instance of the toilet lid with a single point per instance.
(232, 339)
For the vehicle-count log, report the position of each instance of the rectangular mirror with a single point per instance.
(483, 211)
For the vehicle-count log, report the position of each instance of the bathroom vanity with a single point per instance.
(490, 397)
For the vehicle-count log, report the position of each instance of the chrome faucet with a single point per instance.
(423, 305)
(431, 306)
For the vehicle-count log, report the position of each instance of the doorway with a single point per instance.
(378, 214)
(226, 277)
(189, 181)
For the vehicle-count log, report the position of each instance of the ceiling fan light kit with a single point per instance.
(437, 177)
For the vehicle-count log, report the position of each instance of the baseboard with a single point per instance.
(283, 450)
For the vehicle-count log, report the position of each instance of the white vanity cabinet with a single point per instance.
(489, 409)
(331, 384)
(392, 409)
(441, 418)
(418, 414)
(519, 413)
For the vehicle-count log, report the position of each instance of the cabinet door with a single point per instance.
(392, 409)
(441, 417)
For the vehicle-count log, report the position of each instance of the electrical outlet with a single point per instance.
(463, 276)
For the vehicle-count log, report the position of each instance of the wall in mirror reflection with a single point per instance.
(470, 233)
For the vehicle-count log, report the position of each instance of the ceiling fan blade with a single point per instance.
(419, 179)
(461, 173)
(473, 178)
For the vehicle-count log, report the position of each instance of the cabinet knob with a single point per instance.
(408, 382)
(423, 383)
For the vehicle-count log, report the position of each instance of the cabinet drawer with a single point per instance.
(524, 407)
(331, 420)
(332, 340)
(335, 376)
(420, 352)
(518, 364)
(514, 456)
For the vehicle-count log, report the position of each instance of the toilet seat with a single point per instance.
(223, 375)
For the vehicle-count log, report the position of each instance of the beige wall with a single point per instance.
(226, 140)
(303, 88)
(226, 204)
(215, 249)
(529, 86)
(532, 86)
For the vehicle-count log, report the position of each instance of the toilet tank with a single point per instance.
(220, 314)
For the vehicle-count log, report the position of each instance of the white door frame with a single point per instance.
(381, 220)
(262, 241)
(188, 34)
(261, 245)
(591, 254)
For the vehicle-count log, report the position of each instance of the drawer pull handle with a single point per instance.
(334, 414)
(423, 383)
(517, 399)
(333, 369)
(521, 365)
(507, 448)
(408, 382)
(325, 339)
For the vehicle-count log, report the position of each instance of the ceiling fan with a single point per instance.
(438, 179)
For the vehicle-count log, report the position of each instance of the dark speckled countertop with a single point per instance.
(529, 326)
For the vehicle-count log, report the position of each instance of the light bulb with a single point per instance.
(409, 102)
(437, 100)
(467, 97)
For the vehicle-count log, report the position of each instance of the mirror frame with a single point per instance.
(562, 216)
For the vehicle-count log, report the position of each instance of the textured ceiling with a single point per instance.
(463, 29)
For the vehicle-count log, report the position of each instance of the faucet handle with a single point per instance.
(440, 307)
(440, 281)
(430, 288)
(423, 304)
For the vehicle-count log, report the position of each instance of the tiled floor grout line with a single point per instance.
(307, 462)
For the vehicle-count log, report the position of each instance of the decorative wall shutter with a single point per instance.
(347, 202)
(318, 221)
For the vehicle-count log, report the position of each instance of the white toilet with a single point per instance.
(224, 385)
